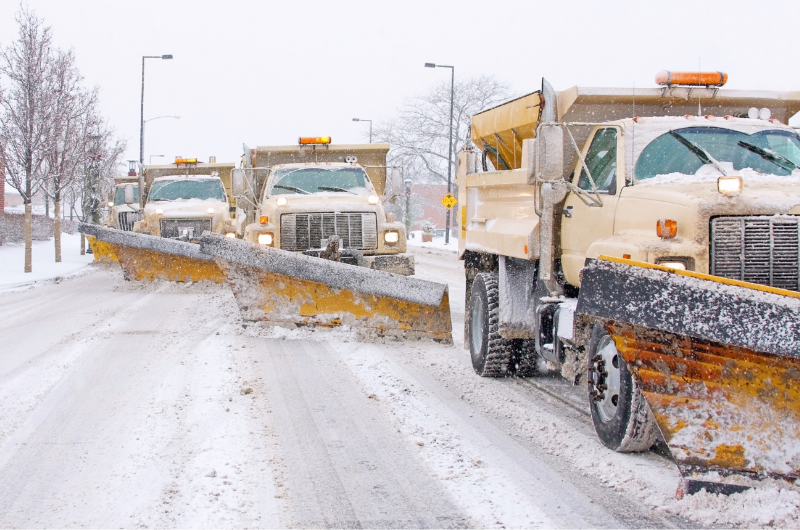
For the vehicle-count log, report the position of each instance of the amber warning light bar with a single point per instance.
(717, 79)
(309, 140)
(179, 161)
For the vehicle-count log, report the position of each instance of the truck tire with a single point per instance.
(621, 417)
(491, 353)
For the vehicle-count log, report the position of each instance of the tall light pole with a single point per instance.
(449, 144)
(370, 127)
(141, 128)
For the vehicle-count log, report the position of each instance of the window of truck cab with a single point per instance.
(601, 159)
(315, 179)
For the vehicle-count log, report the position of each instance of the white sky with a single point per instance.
(264, 73)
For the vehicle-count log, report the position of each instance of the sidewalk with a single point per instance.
(12, 261)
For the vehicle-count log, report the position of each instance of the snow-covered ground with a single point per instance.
(45, 268)
(150, 405)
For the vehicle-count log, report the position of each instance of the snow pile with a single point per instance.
(775, 506)
(709, 173)
(12, 261)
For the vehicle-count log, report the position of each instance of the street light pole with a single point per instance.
(141, 127)
(370, 127)
(449, 144)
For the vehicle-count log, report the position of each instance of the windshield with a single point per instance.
(307, 180)
(119, 195)
(173, 190)
(774, 152)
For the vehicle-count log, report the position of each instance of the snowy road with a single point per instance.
(149, 405)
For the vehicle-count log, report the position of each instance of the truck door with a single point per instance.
(582, 224)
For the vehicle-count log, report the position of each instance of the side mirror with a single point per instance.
(394, 182)
(237, 182)
(548, 154)
(129, 198)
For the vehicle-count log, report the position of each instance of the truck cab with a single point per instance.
(314, 191)
(122, 215)
(187, 198)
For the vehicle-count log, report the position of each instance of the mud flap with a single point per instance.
(146, 257)
(285, 288)
(718, 361)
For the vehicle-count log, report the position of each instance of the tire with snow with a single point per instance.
(621, 417)
(491, 353)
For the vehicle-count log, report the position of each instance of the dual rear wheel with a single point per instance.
(621, 417)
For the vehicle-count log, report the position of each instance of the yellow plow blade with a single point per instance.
(101, 250)
(145, 257)
(289, 289)
(718, 362)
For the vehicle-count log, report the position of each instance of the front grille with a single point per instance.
(757, 249)
(125, 220)
(302, 231)
(191, 228)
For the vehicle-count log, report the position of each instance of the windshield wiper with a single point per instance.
(768, 154)
(333, 188)
(291, 188)
(701, 153)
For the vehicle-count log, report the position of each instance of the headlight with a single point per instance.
(281, 201)
(729, 186)
(391, 237)
(373, 199)
(110, 204)
(210, 210)
(264, 239)
(231, 235)
(159, 210)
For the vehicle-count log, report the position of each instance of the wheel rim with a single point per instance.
(476, 326)
(607, 379)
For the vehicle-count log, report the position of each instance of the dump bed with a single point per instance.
(501, 130)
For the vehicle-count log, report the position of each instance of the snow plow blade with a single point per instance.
(289, 289)
(718, 361)
(146, 257)
(101, 250)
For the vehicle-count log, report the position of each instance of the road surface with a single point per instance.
(128, 404)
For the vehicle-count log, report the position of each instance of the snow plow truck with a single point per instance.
(318, 249)
(646, 245)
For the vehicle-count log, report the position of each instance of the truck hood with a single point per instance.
(324, 201)
(761, 194)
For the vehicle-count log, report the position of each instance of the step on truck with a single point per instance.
(645, 244)
(324, 199)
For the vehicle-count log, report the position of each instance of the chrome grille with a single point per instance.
(302, 231)
(125, 220)
(193, 228)
(757, 249)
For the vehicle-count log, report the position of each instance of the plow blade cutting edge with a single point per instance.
(718, 362)
(149, 257)
(285, 288)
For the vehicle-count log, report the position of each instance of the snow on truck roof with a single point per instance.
(186, 177)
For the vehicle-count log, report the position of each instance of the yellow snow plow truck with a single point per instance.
(332, 273)
(646, 245)
(316, 192)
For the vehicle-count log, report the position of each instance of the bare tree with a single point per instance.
(419, 134)
(26, 110)
(74, 117)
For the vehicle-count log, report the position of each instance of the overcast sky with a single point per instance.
(264, 73)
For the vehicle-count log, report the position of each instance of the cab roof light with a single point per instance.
(707, 79)
(179, 161)
(314, 140)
